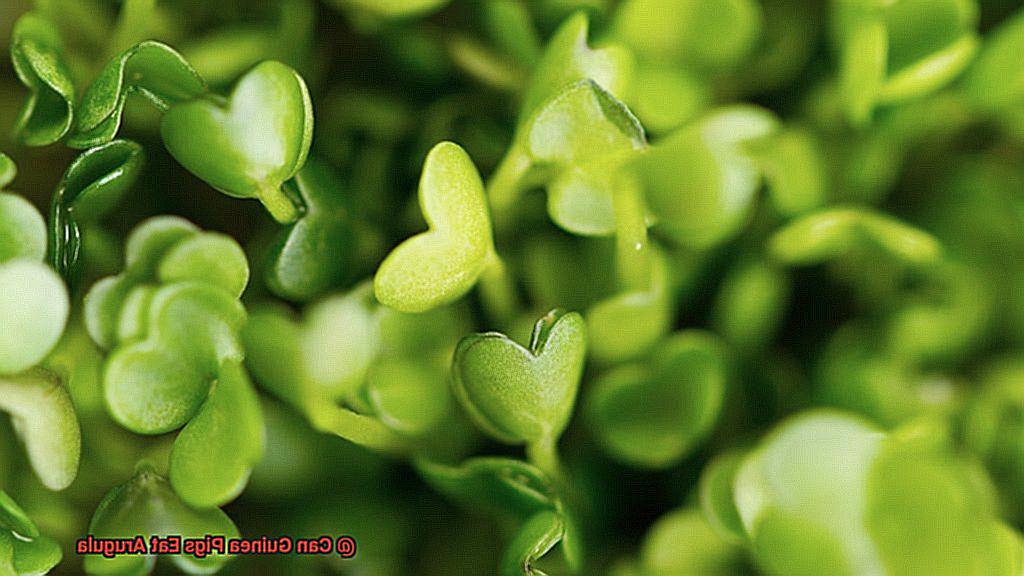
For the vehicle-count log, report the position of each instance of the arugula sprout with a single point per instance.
(555, 287)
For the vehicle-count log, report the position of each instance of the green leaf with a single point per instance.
(161, 251)
(681, 543)
(313, 255)
(701, 181)
(627, 324)
(438, 266)
(574, 143)
(34, 307)
(522, 395)
(22, 230)
(158, 384)
(689, 33)
(893, 52)
(250, 144)
(8, 170)
(750, 305)
(794, 170)
(513, 489)
(535, 538)
(833, 232)
(568, 59)
(216, 451)
(150, 69)
(45, 420)
(13, 518)
(92, 186)
(716, 497)
(996, 78)
(653, 414)
(38, 57)
(410, 397)
(37, 556)
(494, 485)
(390, 9)
(147, 506)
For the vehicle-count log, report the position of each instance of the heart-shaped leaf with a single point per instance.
(830, 233)
(567, 59)
(158, 384)
(312, 255)
(160, 251)
(147, 506)
(150, 69)
(654, 414)
(38, 56)
(92, 186)
(34, 308)
(45, 420)
(439, 266)
(216, 451)
(522, 395)
(250, 144)
(701, 181)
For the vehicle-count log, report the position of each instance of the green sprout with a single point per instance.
(556, 287)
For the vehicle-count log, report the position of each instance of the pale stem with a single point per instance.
(632, 254)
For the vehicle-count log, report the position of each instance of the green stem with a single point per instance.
(357, 428)
(498, 291)
(544, 455)
(279, 205)
(506, 185)
(633, 260)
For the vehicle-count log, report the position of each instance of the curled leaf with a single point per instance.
(38, 56)
(92, 185)
(150, 69)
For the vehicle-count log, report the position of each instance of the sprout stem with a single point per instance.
(632, 253)
(498, 290)
(506, 185)
(279, 205)
(544, 455)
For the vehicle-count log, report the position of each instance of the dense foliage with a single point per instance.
(624, 287)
